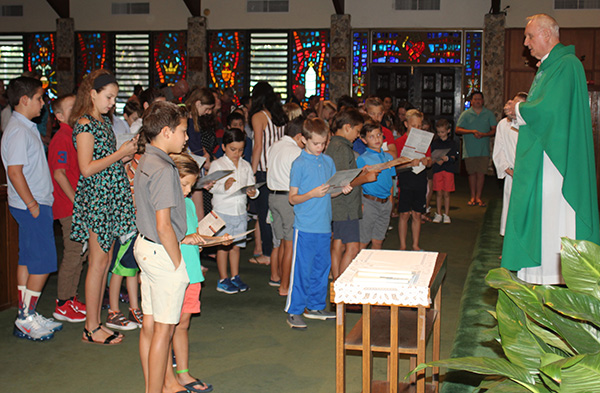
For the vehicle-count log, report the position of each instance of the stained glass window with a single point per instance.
(416, 47)
(310, 61)
(40, 58)
(93, 52)
(11, 57)
(227, 61)
(169, 57)
(360, 62)
(473, 48)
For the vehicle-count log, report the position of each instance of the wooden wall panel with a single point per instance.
(583, 39)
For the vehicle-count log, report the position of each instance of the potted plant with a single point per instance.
(549, 334)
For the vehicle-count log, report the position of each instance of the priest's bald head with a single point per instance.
(541, 35)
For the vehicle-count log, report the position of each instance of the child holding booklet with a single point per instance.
(230, 204)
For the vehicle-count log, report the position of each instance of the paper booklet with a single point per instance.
(255, 186)
(199, 159)
(341, 179)
(389, 164)
(216, 242)
(210, 224)
(416, 146)
(122, 138)
(437, 155)
(216, 175)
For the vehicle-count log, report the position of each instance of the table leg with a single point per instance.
(393, 359)
(340, 351)
(367, 366)
(437, 328)
(421, 342)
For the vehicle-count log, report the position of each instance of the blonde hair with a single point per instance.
(292, 110)
(413, 113)
(186, 165)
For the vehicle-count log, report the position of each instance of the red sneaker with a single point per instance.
(68, 312)
(79, 306)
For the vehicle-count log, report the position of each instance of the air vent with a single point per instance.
(12, 10)
(268, 6)
(420, 5)
(576, 4)
(130, 8)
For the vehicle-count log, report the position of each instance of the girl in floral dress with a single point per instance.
(103, 208)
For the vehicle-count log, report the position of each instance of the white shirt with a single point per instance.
(22, 145)
(120, 126)
(232, 201)
(134, 128)
(281, 155)
(505, 146)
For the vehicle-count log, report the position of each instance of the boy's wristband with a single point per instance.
(33, 202)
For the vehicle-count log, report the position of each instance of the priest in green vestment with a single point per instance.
(554, 183)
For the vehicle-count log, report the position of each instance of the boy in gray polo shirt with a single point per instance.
(161, 223)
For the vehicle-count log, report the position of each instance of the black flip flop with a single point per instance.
(190, 386)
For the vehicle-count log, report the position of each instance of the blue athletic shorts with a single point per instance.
(37, 249)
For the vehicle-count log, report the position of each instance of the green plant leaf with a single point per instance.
(502, 386)
(577, 374)
(550, 338)
(485, 366)
(574, 304)
(526, 296)
(580, 266)
(521, 347)
(529, 298)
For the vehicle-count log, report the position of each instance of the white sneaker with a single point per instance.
(447, 219)
(48, 323)
(31, 329)
(437, 218)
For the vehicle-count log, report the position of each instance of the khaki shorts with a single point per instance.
(477, 164)
(163, 286)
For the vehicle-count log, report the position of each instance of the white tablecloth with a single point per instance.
(387, 277)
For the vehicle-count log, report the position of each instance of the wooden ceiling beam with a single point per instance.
(61, 7)
(339, 6)
(195, 7)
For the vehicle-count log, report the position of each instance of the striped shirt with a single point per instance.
(272, 134)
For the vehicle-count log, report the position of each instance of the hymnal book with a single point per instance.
(416, 146)
(341, 179)
(216, 175)
(216, 242)
(437, 155)
(210, 224)
(122, 138)
(255, 186)
(199, 159)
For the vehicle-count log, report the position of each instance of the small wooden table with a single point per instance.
(377, 331)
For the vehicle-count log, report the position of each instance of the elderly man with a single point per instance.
(554, 181)
(175, 92)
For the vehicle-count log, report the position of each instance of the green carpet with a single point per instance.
(474, 336)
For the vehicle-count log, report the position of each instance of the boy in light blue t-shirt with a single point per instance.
(312, 227)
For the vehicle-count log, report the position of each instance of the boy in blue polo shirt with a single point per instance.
(377, 196)
(30, 203)
(312, 227)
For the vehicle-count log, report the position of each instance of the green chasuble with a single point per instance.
(557, 113)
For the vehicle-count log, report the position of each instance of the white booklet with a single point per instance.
(210, 224)
(199, 159)
(214, 176)
(416, 146)
(341, 179)
(236, 238)
(122, 138)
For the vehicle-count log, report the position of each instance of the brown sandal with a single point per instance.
(87, 337)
